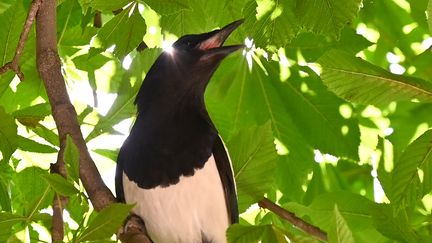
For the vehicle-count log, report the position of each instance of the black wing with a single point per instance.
(119, 182)
(226, 174)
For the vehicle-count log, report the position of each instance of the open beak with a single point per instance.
(213, 44)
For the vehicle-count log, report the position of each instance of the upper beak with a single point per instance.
(213, 44)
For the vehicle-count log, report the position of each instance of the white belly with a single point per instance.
(184, 212)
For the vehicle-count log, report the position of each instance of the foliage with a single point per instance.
(326, 112)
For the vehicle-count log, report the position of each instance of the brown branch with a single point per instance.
(49, 67)
(293, 219)
(97, 21)
(13, 65)
(57, 230)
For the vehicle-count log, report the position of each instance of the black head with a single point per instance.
(188, 66)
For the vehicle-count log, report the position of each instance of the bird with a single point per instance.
(174, 165)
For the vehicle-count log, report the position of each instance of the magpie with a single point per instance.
(173, 165)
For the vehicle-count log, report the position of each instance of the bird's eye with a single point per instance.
(190, 44)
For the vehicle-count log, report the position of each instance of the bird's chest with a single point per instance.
(193, 210)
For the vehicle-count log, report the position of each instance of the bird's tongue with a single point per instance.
(211, 43)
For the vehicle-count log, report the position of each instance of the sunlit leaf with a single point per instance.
(339, 231)
(255, 233)
(406, 184)
(125, 31)
(326, 17)
(103, 4)
(359, 81)
(72, 159)
(30, 145)
(106, 222)
(8, 134)
(60, 184)
(254, 156)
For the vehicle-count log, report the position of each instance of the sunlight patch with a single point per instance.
(167, 46)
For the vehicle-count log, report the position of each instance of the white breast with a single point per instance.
(184, 212)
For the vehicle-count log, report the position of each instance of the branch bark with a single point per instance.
(14, 64)
(49, 67)
(293, 219)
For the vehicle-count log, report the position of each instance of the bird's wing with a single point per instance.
(119, 182)
(226, 174)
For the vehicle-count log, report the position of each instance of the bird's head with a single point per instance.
(197, 56)
(187, 67)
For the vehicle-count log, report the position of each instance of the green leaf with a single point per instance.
(339, 231)
(316, 112)
(165, 7)
(60, 184)
(32, 115)
(359, 81)
(355, 209)
(125, 31)
(255, 233)
(30, 145)
(326, 17)
(254, 158)
(12, 20)
(106, 223)
(47, 134)
(406, 184)
(71, 158)
(394, 226)
(104, 5)
(429, 14)
(8, 135)
(28, 188)
(5, 200)
(7, 220)
(271, 22)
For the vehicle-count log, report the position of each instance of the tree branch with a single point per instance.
(293, 219)
(13, 65)
(49, 67)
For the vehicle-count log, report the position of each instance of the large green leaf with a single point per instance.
(8, 134)
(271, 22)
(104, 5)
(359, 81)
(339, 231)
(106, 223)
(255, 233)
(238, 98)
(199, 16)
(12, 20)
(125, 31)
(254, 158)
(165, 7)
(406, 184)
(354, 208)
(317, 113)
(395, 226)
(326, 17)
(7, 220)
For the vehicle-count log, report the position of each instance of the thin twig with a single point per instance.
(293, 219)
(14, 64)
(57, 230)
